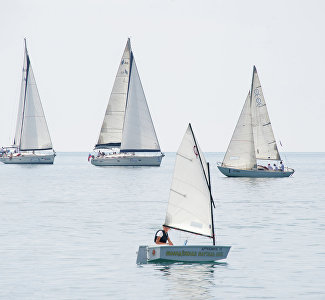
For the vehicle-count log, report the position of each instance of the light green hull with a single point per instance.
(195, 254)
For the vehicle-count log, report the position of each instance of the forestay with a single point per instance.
(138, 132)
(241, 152)
(265, 144)
(32, 132)
(189, 206)
(112, 127)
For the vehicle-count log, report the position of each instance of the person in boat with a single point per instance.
(270, 167)
(162, 238)
(275, 168)
(281, 166)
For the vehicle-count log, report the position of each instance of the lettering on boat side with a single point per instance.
(181, 253)
(194, 253)
(211, 249)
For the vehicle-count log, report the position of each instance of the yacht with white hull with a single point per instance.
(32, 142)
(253, 140)
(127, 136)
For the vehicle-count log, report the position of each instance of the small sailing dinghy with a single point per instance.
(189, 209)
(32, 142)
(253, 140)
(127, 136)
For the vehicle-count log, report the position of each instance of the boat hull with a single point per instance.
(191, 254)
(129, 160)
(29, 159)
(231, 172)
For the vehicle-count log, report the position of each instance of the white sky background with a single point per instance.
(195, 60)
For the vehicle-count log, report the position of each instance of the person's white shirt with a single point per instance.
(269, 167)
(276, 168)
(160, 234)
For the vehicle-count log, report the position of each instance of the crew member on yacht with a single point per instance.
(161, 237)
(281, 166)
(269, 167)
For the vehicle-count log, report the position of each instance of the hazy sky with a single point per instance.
(195, 60)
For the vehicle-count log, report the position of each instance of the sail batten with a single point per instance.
(189, 205)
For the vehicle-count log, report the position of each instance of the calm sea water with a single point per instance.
(71, 231)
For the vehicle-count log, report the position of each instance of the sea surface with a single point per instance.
(71, 231)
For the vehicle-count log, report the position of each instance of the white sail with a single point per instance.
(112, 127)
(189, 206)
(31, 122)
(21, 104)
(265, 144)
(241, 151)
(138, 132)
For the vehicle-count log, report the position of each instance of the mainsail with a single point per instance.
(241, 152)
(189, 207)
(265, 144)
(31, 131)
(112, 127)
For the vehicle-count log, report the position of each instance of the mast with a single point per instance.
(213, 236)
(23, 113)
(127, 92)
(254, 69)
(207, 180)
(131, 62)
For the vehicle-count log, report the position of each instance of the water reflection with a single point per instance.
(190, 280)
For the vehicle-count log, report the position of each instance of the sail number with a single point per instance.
(258, 99)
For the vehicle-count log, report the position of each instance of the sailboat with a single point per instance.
(32, 142)
(190, 209)
(253, 140)
(127, 136)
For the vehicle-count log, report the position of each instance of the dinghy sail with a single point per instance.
(253, 139)
(190, 201)
(127, 127)
(189, 208)
(32, 133)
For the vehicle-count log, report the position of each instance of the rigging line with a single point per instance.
(284, 153)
